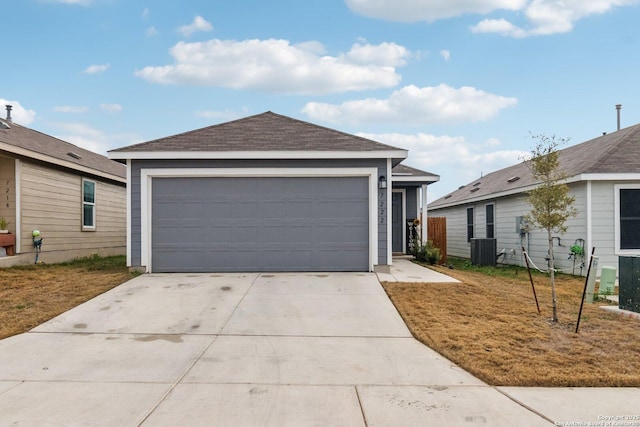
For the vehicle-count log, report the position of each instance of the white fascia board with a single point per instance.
(414, 178)
(609, 177)
(146, 182)
(258, 155)
(59, 162)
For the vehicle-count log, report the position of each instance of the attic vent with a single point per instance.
(448, 196)
(473, 190)
(74, 155)
(461, 187)
(513, 179)
(3, 125)
(476, 184)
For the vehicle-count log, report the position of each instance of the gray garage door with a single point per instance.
(260, 224)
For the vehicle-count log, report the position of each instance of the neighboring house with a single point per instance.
(266, 193)
(74, 197)
(605, 181)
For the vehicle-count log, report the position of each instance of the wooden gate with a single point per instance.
(437, 233)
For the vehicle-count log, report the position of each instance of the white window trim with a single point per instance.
(94, 204)
(486, 221)
(616, 218)
(146, 190)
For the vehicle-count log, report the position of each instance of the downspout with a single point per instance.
(589, 220)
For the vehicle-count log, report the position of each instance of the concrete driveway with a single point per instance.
(240, 350)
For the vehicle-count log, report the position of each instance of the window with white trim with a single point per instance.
(88, 205)
(469, 224)
(628, 218)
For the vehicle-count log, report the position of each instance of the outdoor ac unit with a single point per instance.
(483, 251)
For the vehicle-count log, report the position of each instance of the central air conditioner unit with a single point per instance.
(483, 251)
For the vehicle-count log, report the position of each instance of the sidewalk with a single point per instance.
(404, 270)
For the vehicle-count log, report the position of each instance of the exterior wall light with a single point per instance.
(382, 182)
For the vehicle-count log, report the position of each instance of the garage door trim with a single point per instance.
(146, 190)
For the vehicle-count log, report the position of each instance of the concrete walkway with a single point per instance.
(258, 350)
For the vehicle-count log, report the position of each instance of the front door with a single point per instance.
(397, 242)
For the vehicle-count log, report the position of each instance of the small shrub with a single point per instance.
(426, 253)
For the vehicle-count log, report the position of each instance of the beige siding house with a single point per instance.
(605, 181)
(74, 197)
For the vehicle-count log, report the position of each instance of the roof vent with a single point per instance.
(461, 187)
(9, 108)
(3, 125)
(448, 196)
(513, 179)
(74, 155)
(476, 184)
(473, 190)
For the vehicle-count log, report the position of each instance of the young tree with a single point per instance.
(551, 204)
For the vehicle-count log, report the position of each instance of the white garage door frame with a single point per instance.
(146, 193)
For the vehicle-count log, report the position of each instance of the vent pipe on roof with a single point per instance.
(9, 107)
(618, 107)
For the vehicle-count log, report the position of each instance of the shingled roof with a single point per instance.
(614, 153)
(263, 132)
(407, 174)
(28, 143)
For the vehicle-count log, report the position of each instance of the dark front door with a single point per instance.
(397, 243)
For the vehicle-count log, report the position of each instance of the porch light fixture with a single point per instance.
(382, 182)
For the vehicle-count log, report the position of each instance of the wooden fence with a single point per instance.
(437, 233)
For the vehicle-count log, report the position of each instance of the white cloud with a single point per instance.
(70, 109)
(198, 24)
(93, 139)
(550, 17)
(455, 159)
(445, 54)
(111, 108)
(19, 114)
(412, 105)
(145, 13)
(151, 31)
(94, 69)
(428, 10)
(277, 66)
(543, 17)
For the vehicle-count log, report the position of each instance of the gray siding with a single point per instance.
(137, 165)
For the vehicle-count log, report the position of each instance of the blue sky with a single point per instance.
(461, 84)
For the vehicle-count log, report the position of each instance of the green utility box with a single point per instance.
(607, 280)
(629, 283)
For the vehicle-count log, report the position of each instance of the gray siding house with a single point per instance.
(266, 193)
(605, 181)
(74, 197)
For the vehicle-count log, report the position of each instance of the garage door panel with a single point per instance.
(260, 224)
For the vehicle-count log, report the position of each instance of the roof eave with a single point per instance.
(58, 162)
(396, 155)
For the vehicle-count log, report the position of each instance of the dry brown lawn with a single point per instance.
(489, 325)
(31, 295)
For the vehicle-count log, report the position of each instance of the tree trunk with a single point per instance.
(552, 272)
